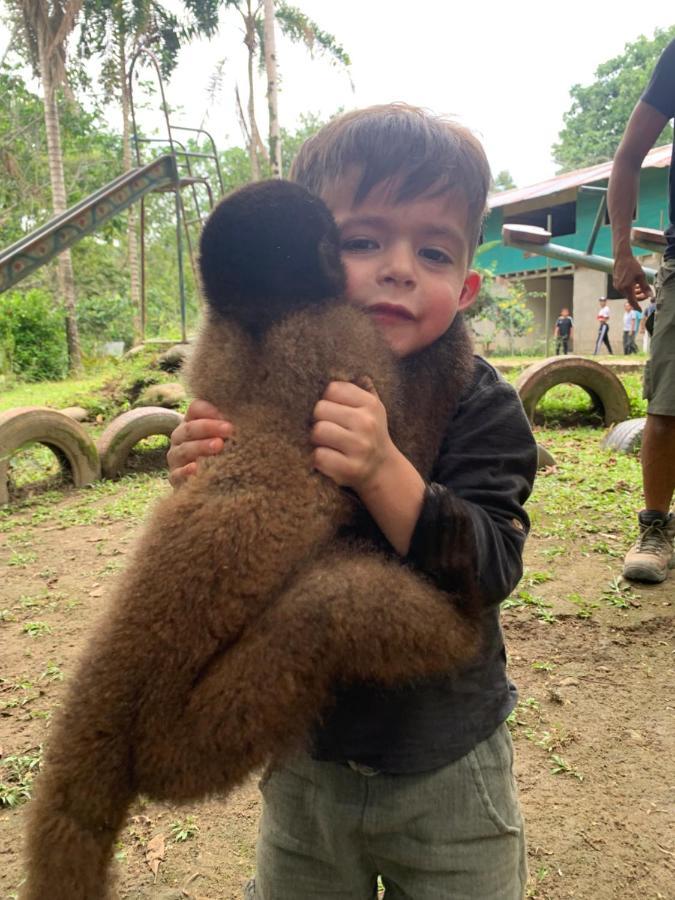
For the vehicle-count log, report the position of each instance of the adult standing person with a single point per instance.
(652, 554)
(629, 329)
(603, 327)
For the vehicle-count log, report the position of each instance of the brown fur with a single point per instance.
(242, 607)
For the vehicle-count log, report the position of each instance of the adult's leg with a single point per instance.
(605, 339)
(652, 554)
(658, 462)
(598, 341)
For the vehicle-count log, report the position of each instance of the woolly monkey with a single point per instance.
(248, 597)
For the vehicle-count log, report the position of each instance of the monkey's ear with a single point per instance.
(268, 249)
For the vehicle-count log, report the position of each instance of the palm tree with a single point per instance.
(46, 26)
(258, 17)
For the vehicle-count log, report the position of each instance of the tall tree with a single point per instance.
(504, 181)
(295, 25)
(596, 120)
(47, 24)
(270, 52)
(112, 30)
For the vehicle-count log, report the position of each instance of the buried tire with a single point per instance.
(626, 437)
(40, 425)
(124, 432)
(600, 383)
(545, 458)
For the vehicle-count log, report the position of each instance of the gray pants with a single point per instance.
(328, 831)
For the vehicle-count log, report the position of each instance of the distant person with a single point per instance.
(629, 329)
(603, 327)
(564, 328)
(647, 325)
(651, 555)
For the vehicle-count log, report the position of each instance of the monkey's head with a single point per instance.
(268, 249)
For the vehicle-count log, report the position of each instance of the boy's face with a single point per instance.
(406, 263)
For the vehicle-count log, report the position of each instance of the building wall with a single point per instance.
(652, 212)
(580, 291)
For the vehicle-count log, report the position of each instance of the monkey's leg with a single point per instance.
(258, 700)
(207, 565)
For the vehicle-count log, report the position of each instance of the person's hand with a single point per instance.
(630, 280)
(351, 436)
(201, 433)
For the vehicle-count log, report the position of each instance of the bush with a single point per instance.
(32, 336)
(102, 319)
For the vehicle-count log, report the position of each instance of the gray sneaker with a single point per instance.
(652, 554)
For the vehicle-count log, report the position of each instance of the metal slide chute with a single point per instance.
(42, 245)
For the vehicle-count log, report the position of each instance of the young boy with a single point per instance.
(413, 784)
(564, 328)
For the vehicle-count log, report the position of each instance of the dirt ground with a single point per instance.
(593, 660)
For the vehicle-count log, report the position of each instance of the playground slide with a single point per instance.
(64, 230)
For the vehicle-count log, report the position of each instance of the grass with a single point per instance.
(16, 778)
(59, 394)
(184, 829)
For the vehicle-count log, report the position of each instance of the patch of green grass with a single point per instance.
(522, 599)
(544, 666)
(562, 767)
(21, 559)
(584, 607)
(52, 672)
(16, 778)
(184, 829)
(36, 629)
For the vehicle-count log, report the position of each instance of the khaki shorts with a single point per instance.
(659, 380)
(327, 831)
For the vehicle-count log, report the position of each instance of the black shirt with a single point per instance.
(564, 325)
(484, 474)
(660, 94)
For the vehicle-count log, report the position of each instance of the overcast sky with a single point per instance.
(503, 68)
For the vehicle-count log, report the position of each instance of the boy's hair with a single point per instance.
(428, 154)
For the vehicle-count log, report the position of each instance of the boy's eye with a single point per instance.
(359, 243)
(433, 254)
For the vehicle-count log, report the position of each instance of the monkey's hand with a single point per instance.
(202, 433)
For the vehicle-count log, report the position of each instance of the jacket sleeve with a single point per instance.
(472, 526)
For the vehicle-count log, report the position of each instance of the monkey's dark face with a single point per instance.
(268, 249)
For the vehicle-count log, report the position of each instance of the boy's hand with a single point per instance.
(201, 433)
(351, 436)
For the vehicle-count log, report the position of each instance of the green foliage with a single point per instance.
(102, 319)
(505, 308)
(184, 829)
(595, 122)
(17, 778)
(504, 181)
(32, 336)
(301, 29)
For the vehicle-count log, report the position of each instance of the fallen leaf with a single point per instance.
(154, 853)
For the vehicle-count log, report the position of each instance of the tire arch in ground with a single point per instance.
(62, 434)
(125, 431)
(626, 437)
(600, 383)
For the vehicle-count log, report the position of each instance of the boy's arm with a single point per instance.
(469, 524)
(483, 477)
